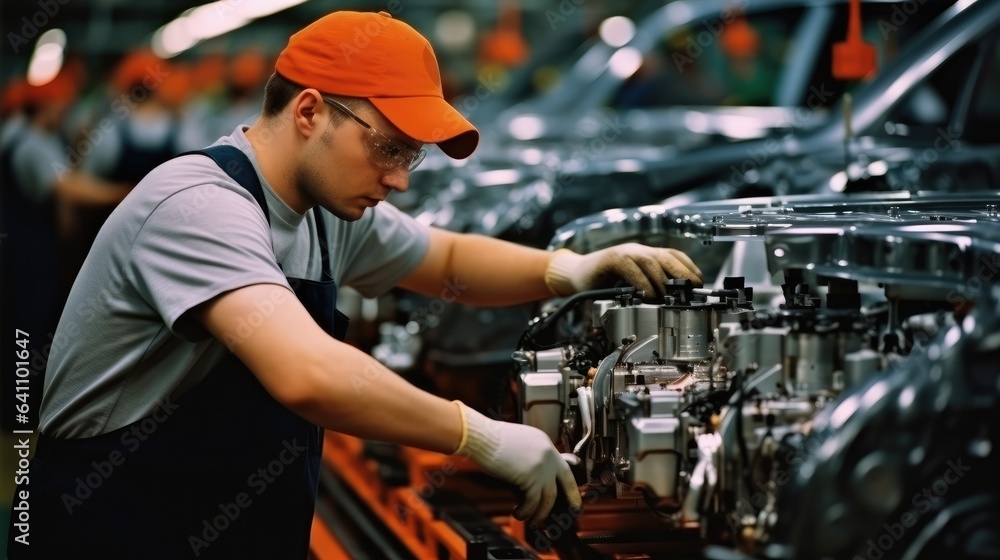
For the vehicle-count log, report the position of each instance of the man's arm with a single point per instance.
(338, 387)
(84, 189)
(480, 270)
(327, 382)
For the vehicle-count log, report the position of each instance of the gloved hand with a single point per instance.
(646, 268)
(521, 455)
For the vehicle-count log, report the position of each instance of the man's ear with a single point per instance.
(306, 110)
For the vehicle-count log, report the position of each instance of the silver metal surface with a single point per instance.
(542, 402)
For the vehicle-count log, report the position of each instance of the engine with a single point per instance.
(849, 411)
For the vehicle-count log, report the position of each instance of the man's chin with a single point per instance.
(348, 214)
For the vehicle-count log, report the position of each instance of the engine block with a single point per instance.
(773, 418)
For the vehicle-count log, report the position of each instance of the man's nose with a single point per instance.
(397, 179)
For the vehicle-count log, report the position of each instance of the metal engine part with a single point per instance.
(809, 429)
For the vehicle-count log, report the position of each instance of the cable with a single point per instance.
(546, 323)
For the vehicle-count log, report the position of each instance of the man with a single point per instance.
(152, 430)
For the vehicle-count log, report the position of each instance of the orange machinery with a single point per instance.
(439, 507)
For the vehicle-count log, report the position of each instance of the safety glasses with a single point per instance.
(384, 152)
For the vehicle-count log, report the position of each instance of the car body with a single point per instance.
(955, 56)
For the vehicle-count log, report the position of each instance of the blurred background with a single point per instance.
(211, 54)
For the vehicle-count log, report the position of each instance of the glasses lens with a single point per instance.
(417, 158)
(386, 153)
(390, 155)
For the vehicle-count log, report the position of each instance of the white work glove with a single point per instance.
(646, 268)
(522, 455)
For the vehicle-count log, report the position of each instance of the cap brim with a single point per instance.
(431, 120)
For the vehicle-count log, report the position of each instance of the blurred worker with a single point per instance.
(667, 77)
(751, 75)
(138, 134)
(248, 71)
(176, 92)
(36, 179)
(145, 132)
(245, 76)
(12, 110)
(199, 348)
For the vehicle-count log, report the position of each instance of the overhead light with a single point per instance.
(878, 168)
(211, 20)
(262, 8)
(47, 58)
(455, 29)
(628, 165)
(838, 183)
(526, 127)
(617, 31)
(625, 62)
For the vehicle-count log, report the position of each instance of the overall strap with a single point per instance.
(326, 267)
(237, 165)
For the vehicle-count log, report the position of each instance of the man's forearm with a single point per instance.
(480, 270)
(355, 394)
(327, 382)
(86, 190)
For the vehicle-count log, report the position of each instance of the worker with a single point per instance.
(198, 351)
(12, 119)
(36, 182)
(139, 133)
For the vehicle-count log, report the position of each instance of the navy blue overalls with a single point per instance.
(224, 472)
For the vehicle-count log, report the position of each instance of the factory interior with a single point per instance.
(655, 279)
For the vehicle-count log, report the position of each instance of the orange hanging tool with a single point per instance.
(853, 59)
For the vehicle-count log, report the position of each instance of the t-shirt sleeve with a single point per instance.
(387, 248)
(35, 164)
(197, 244)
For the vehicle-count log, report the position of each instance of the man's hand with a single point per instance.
(521, 455)
(646, 268)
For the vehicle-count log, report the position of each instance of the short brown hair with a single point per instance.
(279, 91)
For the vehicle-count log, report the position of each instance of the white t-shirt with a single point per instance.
(186, 234)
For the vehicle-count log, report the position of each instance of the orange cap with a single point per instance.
(13, 96)
(739, 39)
(61, 89)
(209, 72)
(175, 90)
(372, 55)
(134, 68)
(248, 69)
